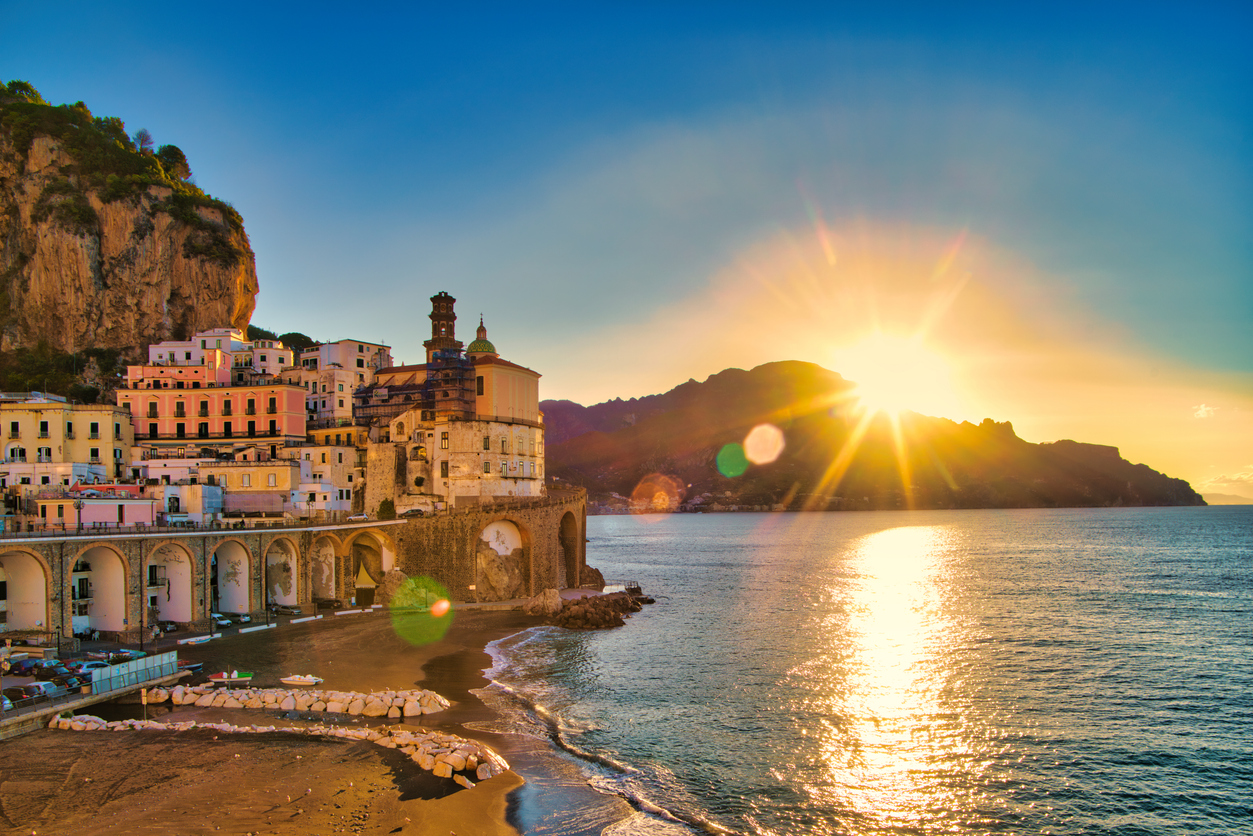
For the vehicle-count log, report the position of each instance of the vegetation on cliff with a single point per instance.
(115, 166)
(682, 444)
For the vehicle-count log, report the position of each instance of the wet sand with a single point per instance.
(201, 782)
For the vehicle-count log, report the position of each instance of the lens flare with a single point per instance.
(763, 444)
(731, 460)
(420, 610)
(656, 493)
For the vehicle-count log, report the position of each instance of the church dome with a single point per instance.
(481, 344)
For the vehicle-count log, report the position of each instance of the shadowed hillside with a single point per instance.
(832, 458)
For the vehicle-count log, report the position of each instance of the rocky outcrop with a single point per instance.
(116, 267)
(597, 612)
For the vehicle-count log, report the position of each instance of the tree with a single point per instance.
(297, 340)
(24, 90)
(256, 332)
(143, 140)
(174, 161)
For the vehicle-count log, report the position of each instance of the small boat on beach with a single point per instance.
(189, 666)
(301, 680)
(231, 677)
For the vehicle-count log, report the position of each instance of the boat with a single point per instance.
(230, 678)
(197, 640)
(188, 665)
(301, 680)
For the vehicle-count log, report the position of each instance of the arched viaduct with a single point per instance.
(122, 583)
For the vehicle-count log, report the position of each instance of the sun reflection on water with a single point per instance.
(894, 753)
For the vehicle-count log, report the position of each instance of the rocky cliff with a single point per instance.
(100, 247)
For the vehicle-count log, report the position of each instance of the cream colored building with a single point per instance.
(48, 441)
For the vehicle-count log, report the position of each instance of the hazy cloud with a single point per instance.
(1203, 411)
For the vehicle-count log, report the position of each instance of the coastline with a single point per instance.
(198, 782)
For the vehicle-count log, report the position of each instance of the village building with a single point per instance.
(462, 429)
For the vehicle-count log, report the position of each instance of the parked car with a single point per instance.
(49, 673)
(285, 609)
(84, 668)
(21, 696)
(328, 603)
(6, 704)
(414, 512)
(358, 518)
(220, 620)
(58, 686)
(168, 626)
(242, 618)
(25, 667)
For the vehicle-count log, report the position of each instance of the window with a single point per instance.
(487, 442)
(324, 403)
(43, 509)
(262, 358)
(504, 445)
(252, 429)
(443, 441)
(273, 407)
(478, 382)
(180, 411)
(44, 480)
(226, 428)
(226, 407)
(324, 458)
(186, 355)
(281, 359)
(45, 454)
(95, 454)
(69, 429)
(117, 454)
(443, 469)
(360, 349)
(272, 479)
(43, 429)
(307, 456)
(204, 344)
(341, 458)
(152, 430)
(60, 510)
(117, 432)
(246, 480)
(202, 429)
(180, 430)
(341, 403)
(487, 466)
(341, 388)
(360, 363)
(204, 409)
(14, 432)
(504, 468)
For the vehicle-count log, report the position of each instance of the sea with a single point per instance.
(965, 672)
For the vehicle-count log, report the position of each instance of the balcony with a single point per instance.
(96, 460)
(81, 593)
(94, 436)
(15, 434)
(270, 410)
(44, 458)
(43, 433)
(203, 412)
(69, 435)
(252, 410)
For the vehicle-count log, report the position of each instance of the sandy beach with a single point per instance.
(201, 782)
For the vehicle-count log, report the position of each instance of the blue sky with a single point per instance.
(612, 188)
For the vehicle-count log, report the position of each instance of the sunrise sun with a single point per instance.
(896, 374)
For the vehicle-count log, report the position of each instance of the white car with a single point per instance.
(359, 518)
(220, 620)
(242, 618)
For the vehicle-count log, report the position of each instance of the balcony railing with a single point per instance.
(69, 435)
(271, 410)
(250, 410)
(94, 436)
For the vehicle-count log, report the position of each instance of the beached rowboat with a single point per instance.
(301, 680)
(230, 678)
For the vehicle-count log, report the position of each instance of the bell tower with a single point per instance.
(443, 326)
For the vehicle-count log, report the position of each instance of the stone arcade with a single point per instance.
(122, 584)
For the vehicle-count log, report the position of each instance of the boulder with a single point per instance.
(547, 603)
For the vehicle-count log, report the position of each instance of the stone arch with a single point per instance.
(502, 561)
(281, 580)
(105, 570)
(25, 575)
(373, 555)
(230, 573)
(568, 537)
(169, 578)
(322, 575)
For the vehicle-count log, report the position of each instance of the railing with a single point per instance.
(43, 434)
(94, 435)
(126, 674)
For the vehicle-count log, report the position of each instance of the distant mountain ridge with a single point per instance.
(828, 461)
